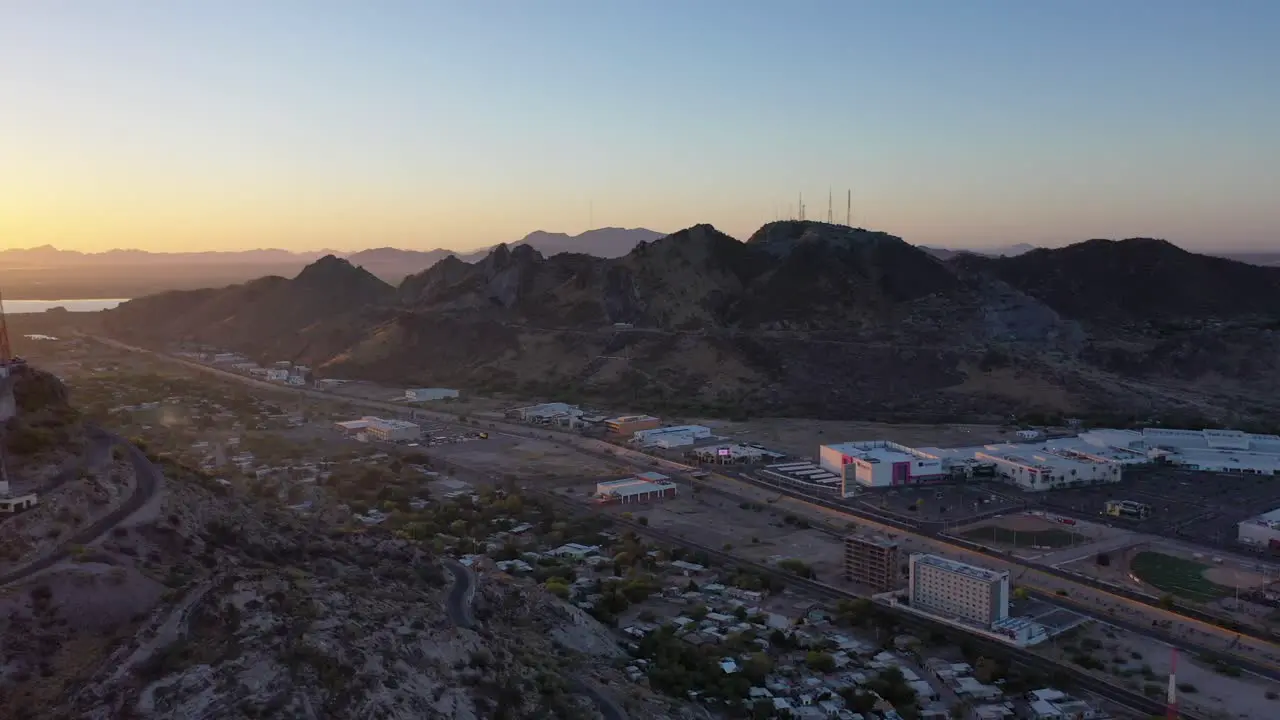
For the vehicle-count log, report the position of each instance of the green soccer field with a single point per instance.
(1177, 576)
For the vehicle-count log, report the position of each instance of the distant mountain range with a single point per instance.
(604, 242)
(803, 319)
(1253, 258)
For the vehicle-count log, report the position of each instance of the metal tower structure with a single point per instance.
(848, 210)
(1171, 711)
(6, 352)
(829, 206)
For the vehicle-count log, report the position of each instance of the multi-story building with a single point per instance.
(959, 590)
(871, 560)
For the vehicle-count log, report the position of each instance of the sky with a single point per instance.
(307, 124)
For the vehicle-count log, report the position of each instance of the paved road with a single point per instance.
(1044, 579)
(148, 480)
(461, 594)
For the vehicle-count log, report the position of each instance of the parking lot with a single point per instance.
(947, 504)
(1196, 506)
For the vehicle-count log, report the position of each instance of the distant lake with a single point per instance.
(17, 307)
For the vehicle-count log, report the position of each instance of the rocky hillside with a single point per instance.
(204, 605)
(1109, 283)
(804, 318)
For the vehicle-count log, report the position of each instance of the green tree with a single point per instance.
(820, 661)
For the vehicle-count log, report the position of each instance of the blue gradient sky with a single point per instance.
(320, 123)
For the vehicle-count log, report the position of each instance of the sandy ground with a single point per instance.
(1243, 579)
(761, 536)
(462, 405)
(529, 458)
(1215, 695)
(802, 437)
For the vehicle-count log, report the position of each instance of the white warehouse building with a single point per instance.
(1262, 531)
(880, 463)
(641, 488)
(670, 437)
(1049, 469)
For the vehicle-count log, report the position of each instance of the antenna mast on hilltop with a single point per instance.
(829, 221)
(848, 210)
(6, 352)
(800, 207)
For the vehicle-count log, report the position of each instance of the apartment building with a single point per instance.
(871, 560)
(958, 590)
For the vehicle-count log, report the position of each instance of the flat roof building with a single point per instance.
(1263, 530)
(1049, 468)
(381, 429)
(545, 412)
(871, 560)
(643, 487)
(958, 590)
(674, 436)
(630, 424)
(879, 463)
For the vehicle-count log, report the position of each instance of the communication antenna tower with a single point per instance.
(6, 352)
(848, 210)
(829, 221)
(800, 206)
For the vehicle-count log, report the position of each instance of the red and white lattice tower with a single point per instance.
(6, 353)
(1172, 711)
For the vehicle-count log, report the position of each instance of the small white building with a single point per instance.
(641, 488)
(1263, 530)
(15, 503)
(278, 374)
(429, 394)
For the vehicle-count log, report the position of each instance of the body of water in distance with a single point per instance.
(19, 307)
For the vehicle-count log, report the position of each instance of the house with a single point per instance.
(574, 550)
(729, 666)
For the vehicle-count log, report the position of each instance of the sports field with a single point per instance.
(1179, 576)
(1050, 538)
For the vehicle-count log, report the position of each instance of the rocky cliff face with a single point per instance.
(804, 317)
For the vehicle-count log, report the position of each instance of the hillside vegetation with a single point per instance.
(803, 318)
